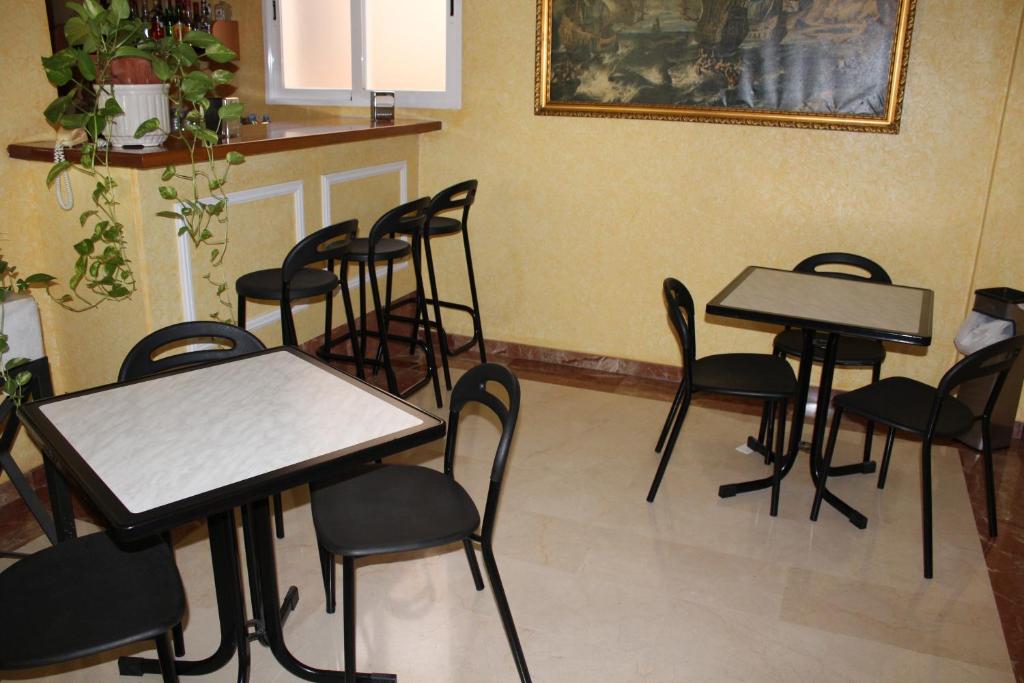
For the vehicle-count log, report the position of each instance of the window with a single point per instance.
(337, 51)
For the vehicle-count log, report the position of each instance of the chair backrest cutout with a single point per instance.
(458, 196)
(817, 264)
(142, 360)
(996, 360)
(326, 244)
(473, 387)
(679, 303)
(404, 219)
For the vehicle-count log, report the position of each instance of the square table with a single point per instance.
(158, 452)
(836, 306)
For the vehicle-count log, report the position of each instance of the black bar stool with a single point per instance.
(381, 246)
(459, 196)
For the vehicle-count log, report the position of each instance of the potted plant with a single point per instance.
(18, 314)
(105, 43)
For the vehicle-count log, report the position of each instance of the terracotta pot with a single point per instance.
(132, 71)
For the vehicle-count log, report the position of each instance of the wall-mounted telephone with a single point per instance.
(66, 138)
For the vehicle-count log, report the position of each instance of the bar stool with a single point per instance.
(381, 246)
(459, 196)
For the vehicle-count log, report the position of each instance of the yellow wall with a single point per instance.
(579, 220)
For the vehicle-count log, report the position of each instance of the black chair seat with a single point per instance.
(850, 351)
(391, 508)
(266, 284)
(86, 596)
(387, 248)
(906, 404)
(443, 225)
(754, 375)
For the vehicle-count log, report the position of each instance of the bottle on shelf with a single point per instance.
(207, 17)
(157, 30)
(180, 26)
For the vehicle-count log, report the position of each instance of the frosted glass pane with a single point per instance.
(405, 44)
(316, 44)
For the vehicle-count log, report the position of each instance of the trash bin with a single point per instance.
(997, 315)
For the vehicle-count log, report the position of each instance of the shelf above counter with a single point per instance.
(255, 139)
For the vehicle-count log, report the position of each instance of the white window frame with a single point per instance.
(359, 95)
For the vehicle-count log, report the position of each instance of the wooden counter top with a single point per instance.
(255, 139)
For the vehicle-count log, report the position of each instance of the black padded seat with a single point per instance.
(387, 248)
(307, 282)
(753, 375)
(851, 350)
(906, 404)
(758, 376)
(443, 225)
(392, 508)
(85, 596)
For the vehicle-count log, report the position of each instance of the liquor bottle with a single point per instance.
(144, 17)
(207, 17)
(156, 22)
(180, 27)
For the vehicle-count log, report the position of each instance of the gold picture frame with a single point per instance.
(825, 64)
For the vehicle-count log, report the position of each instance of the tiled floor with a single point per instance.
(605, 586)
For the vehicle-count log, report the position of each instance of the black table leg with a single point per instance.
(230, 608)
(820, 422)
(795, 432)
(266, 575)
(60, 501)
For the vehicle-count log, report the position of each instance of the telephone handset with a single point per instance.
(66, 138)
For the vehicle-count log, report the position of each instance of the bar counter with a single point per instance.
(255, 139)
(297, 178)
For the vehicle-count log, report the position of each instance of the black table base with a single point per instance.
(782, 468)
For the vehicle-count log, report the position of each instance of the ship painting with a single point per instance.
(807, 56)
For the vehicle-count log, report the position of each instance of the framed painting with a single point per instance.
(832, 64)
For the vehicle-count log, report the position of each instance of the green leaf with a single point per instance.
(119, 291)
(206, 136)
(58, 66)
(92, 9)
(112, 109)
(214, 254)
(221, 76)
(200, 39)
(184, 54)
(55, 171)
(195, 86)
(85, 247)
(94, 125)
(216, 184)
(167, 174)
(22, 378)
(182, 230)
(72, 121)
(168, 192)
(232, 111)
(39, 278)
(120, 9)
(162, 69)
(56, 109)
(147, 126)
(173, 215)
(86, 66)
(76, 30)
(86, 215)
(216, 208)
(205, 235)
(113, 234)
(129, 51)
(234, 158)
(94, 269)
(220, 53)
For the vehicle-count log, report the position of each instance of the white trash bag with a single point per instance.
(979, 330)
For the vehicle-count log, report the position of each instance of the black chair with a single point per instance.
(851, 351)
(381, 246)
(88, 595)
(459, 196)
(379, 509)
(908, 405)
(295, 280)
(748, 375)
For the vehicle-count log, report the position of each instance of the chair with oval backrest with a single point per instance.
(381, 246)
(749, 375)
(851, 351)
(929, 412)
(376, 509)
(458, 196)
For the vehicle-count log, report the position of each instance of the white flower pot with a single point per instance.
(140, 103)
(21, 325)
